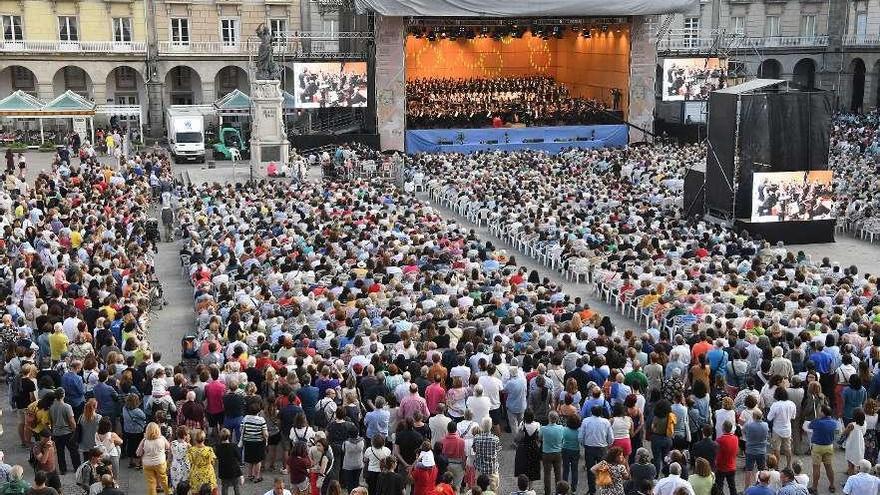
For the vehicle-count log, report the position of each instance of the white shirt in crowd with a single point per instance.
(781, 413)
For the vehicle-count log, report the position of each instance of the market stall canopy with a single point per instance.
(68, 104)
(20, 104)
(233, 103)
(525, 8)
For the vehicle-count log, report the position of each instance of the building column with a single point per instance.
(99, 92)
(155, 108)
(46, 91)
(390, 81)
(208, 93)
(643, 72)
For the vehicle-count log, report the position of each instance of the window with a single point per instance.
(181, 79)
(122, 29)
(67, 29)
(861, 24)
(691, 30)
(180, 31)
(738, 25)
(808, 26)
(772, 27)
(22, 79)
(125, 78)
(330, 25)
(12, 28)
(229, 32)
(228, 79)
(74, 79)
(278, 28)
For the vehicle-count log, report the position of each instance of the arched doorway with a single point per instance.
(805, 73)
(183, 86)
(73, 78)
(770, 69)
(230, 78)
(125, 86)
(857, 68)
(17, 78)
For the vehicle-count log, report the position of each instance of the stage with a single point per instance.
(548, 139)
(808, 232)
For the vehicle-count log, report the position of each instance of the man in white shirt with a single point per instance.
(863, 482)
(780, 415)
(492, 389)
(671, 483)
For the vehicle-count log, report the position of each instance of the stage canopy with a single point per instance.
(524, 8)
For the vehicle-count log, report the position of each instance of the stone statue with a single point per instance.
(267, 69)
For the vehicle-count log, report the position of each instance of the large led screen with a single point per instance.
(692, 79)
(792, 196)
(330, 84)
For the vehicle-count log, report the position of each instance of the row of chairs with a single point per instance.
(576, 269)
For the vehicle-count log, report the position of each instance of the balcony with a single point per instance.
(690, 43)
(57, 46)
(317, 43)
(861, 40)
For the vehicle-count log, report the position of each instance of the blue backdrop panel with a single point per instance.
(555, 139)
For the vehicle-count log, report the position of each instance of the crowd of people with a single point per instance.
(348, 339)
(855, 150)
(507, 101)
(728, 316)
(77, 278)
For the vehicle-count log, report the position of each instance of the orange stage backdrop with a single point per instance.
(589, 67)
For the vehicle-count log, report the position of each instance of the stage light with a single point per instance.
(432, 36)
(586, 34)
(604, 28)
(484, 32)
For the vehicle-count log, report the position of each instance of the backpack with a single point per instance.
(10, 489)
(321, 420)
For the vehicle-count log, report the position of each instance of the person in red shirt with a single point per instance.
(700, 348)
(424, 471)
(725, 461)
(434, 395)
(445, 485)
(452, 446)
(214, 391)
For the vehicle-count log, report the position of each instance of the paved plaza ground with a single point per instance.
(176, 319)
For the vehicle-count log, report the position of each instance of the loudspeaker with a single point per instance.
(761, 126)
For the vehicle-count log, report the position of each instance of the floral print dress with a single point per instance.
(201, 467)
(179, 462)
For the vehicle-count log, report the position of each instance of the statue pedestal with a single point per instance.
(268, 140)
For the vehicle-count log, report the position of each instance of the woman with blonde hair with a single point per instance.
(726, 413)
(88, 426)
(153, 453)
(201, 461)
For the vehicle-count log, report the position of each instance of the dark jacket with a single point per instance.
(228, 460)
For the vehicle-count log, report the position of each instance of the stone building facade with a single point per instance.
(827, 44)
(156, 53)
